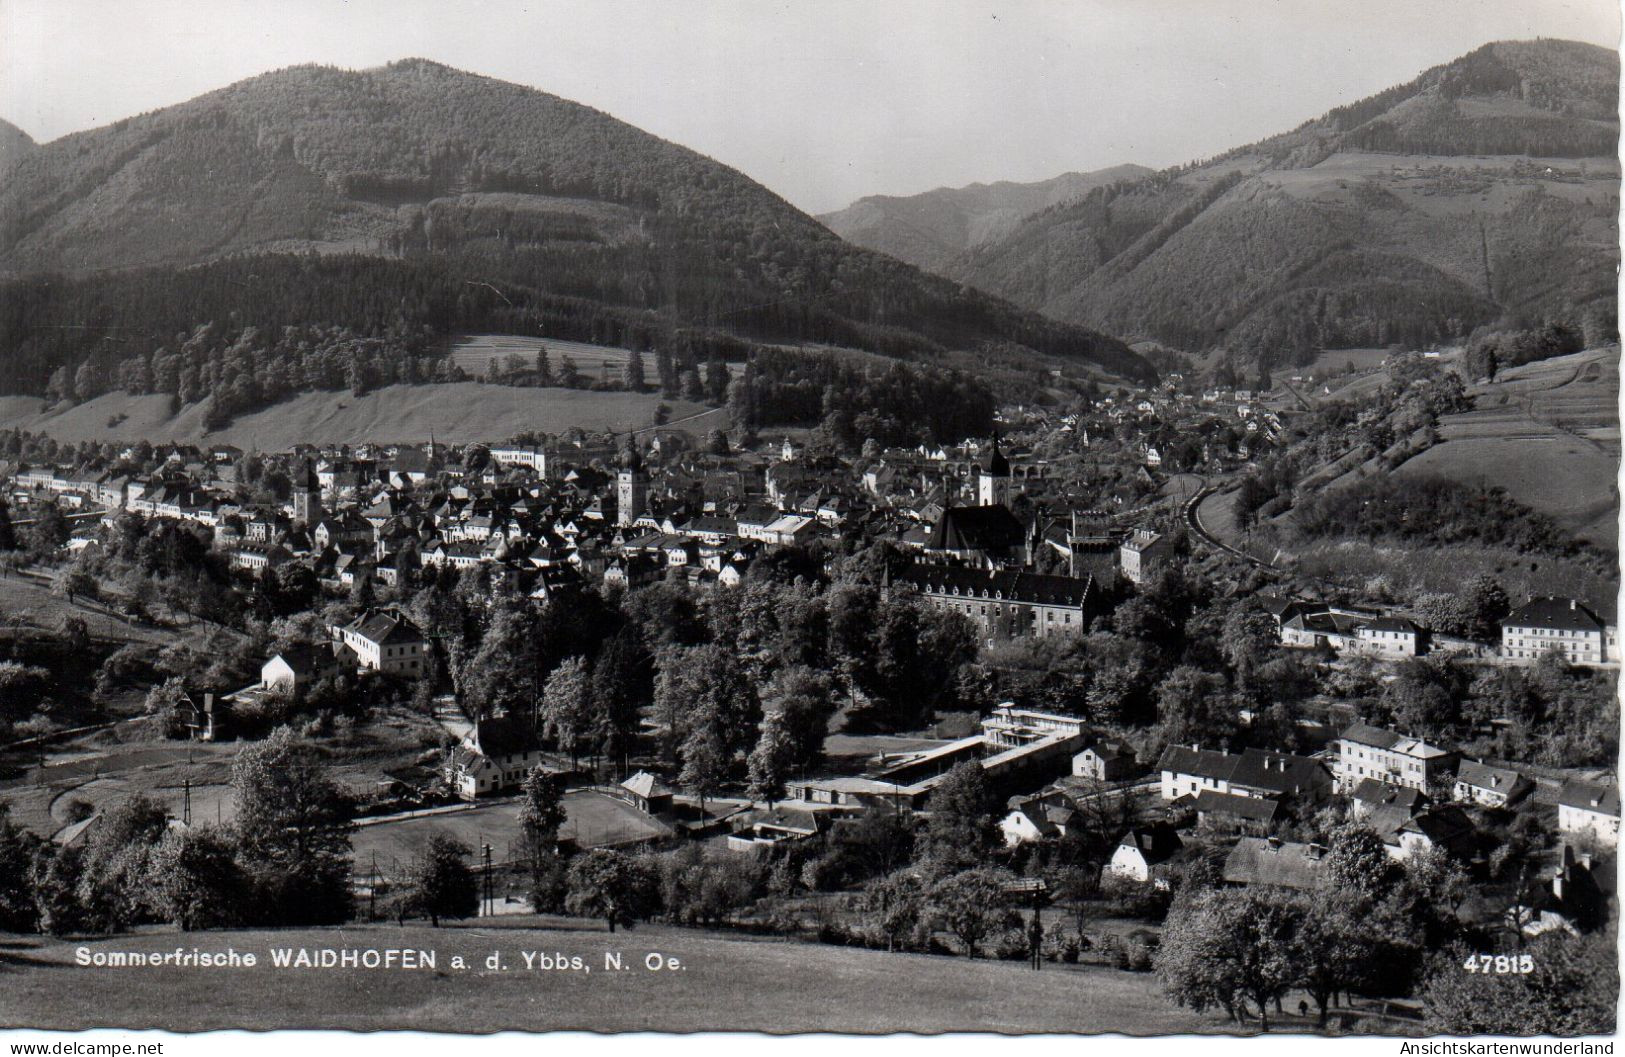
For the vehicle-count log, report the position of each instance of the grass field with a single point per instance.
(1548, 433)
(726, 983)
(28, 601)
(592, 820)
(459, 413)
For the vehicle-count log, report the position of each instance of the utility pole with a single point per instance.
(186, 802)
(489, 902)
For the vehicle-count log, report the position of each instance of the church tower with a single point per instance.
(307, 497)
(993, 479)
(631, 488)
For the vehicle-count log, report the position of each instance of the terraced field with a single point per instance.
(1548, 433)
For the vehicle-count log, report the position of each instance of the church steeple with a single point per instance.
(993, 478)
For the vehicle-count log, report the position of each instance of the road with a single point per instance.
(1193, 519)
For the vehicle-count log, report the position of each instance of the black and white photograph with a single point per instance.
(1074, 518)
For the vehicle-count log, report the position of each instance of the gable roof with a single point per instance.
(977, 528)
(1561, 614)
(1002, 584)
(1486, 776)
(646, 785)
(1267, 861)
(1156, 844)
(1590, 796)
(1251, 808)
(503, 736)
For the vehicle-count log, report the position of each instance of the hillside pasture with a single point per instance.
(725, 983)
(1546, 432)
(455, 413)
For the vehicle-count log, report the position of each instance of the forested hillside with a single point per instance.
(1484, 190)
(931, 229)
(14, 143)
(402, 203)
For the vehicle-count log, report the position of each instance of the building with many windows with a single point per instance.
(1005, 603)
(1561, 624)
(1364, 751)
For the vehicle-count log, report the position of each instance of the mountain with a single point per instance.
(14, 144)
(1485, 188)
(417, 198)
(931, 229)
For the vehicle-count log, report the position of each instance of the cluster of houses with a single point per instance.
(1539, 626)
(545, 521)
(1414, 795)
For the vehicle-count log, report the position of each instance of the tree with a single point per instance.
(705, 762)
(17, 846)
(962, 831)
(610, 885)
(293, 831)
(620, 684)
(566, 706)
(1572, 990)
(54, 878)
(441, 884)
(634, 372)
(1332, 949)
(112, 885)
(772, 759)
(1358, 864)
(971, 905)
(194, 881)
(541, 815)
(1227, 947)
(894, 906)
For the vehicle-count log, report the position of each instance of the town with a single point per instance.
(911, 698)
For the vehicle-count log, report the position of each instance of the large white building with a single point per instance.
(1561, 624)
(1364, 751)
(385, 641)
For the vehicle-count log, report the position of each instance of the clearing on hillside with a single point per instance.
(1547, 432)
(454, 413)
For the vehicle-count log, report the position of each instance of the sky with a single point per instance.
(824, 101)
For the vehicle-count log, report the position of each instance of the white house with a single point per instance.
(385, 641)
(1589, 810)
(494, 756)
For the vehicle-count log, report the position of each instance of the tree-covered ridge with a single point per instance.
(501, 200)
(14, 144)
(1272, 251)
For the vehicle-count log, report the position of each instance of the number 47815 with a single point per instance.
(1499, 964)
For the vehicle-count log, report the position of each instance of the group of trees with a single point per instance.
(1432, 510)
(738, 686)
(283, 860)
(1367, 929)
(1488, 353)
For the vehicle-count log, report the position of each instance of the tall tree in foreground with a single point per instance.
(442, 884)
(541, 815)
(194, 881)
(961, 832)
(1572, 990)
(611, 885)
(972, 905)
(293, 831)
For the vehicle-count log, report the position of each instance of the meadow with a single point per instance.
(1548, 433)
(455, 413)
(725, 983)
(592, 820)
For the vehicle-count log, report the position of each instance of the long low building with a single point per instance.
(1007, 603)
